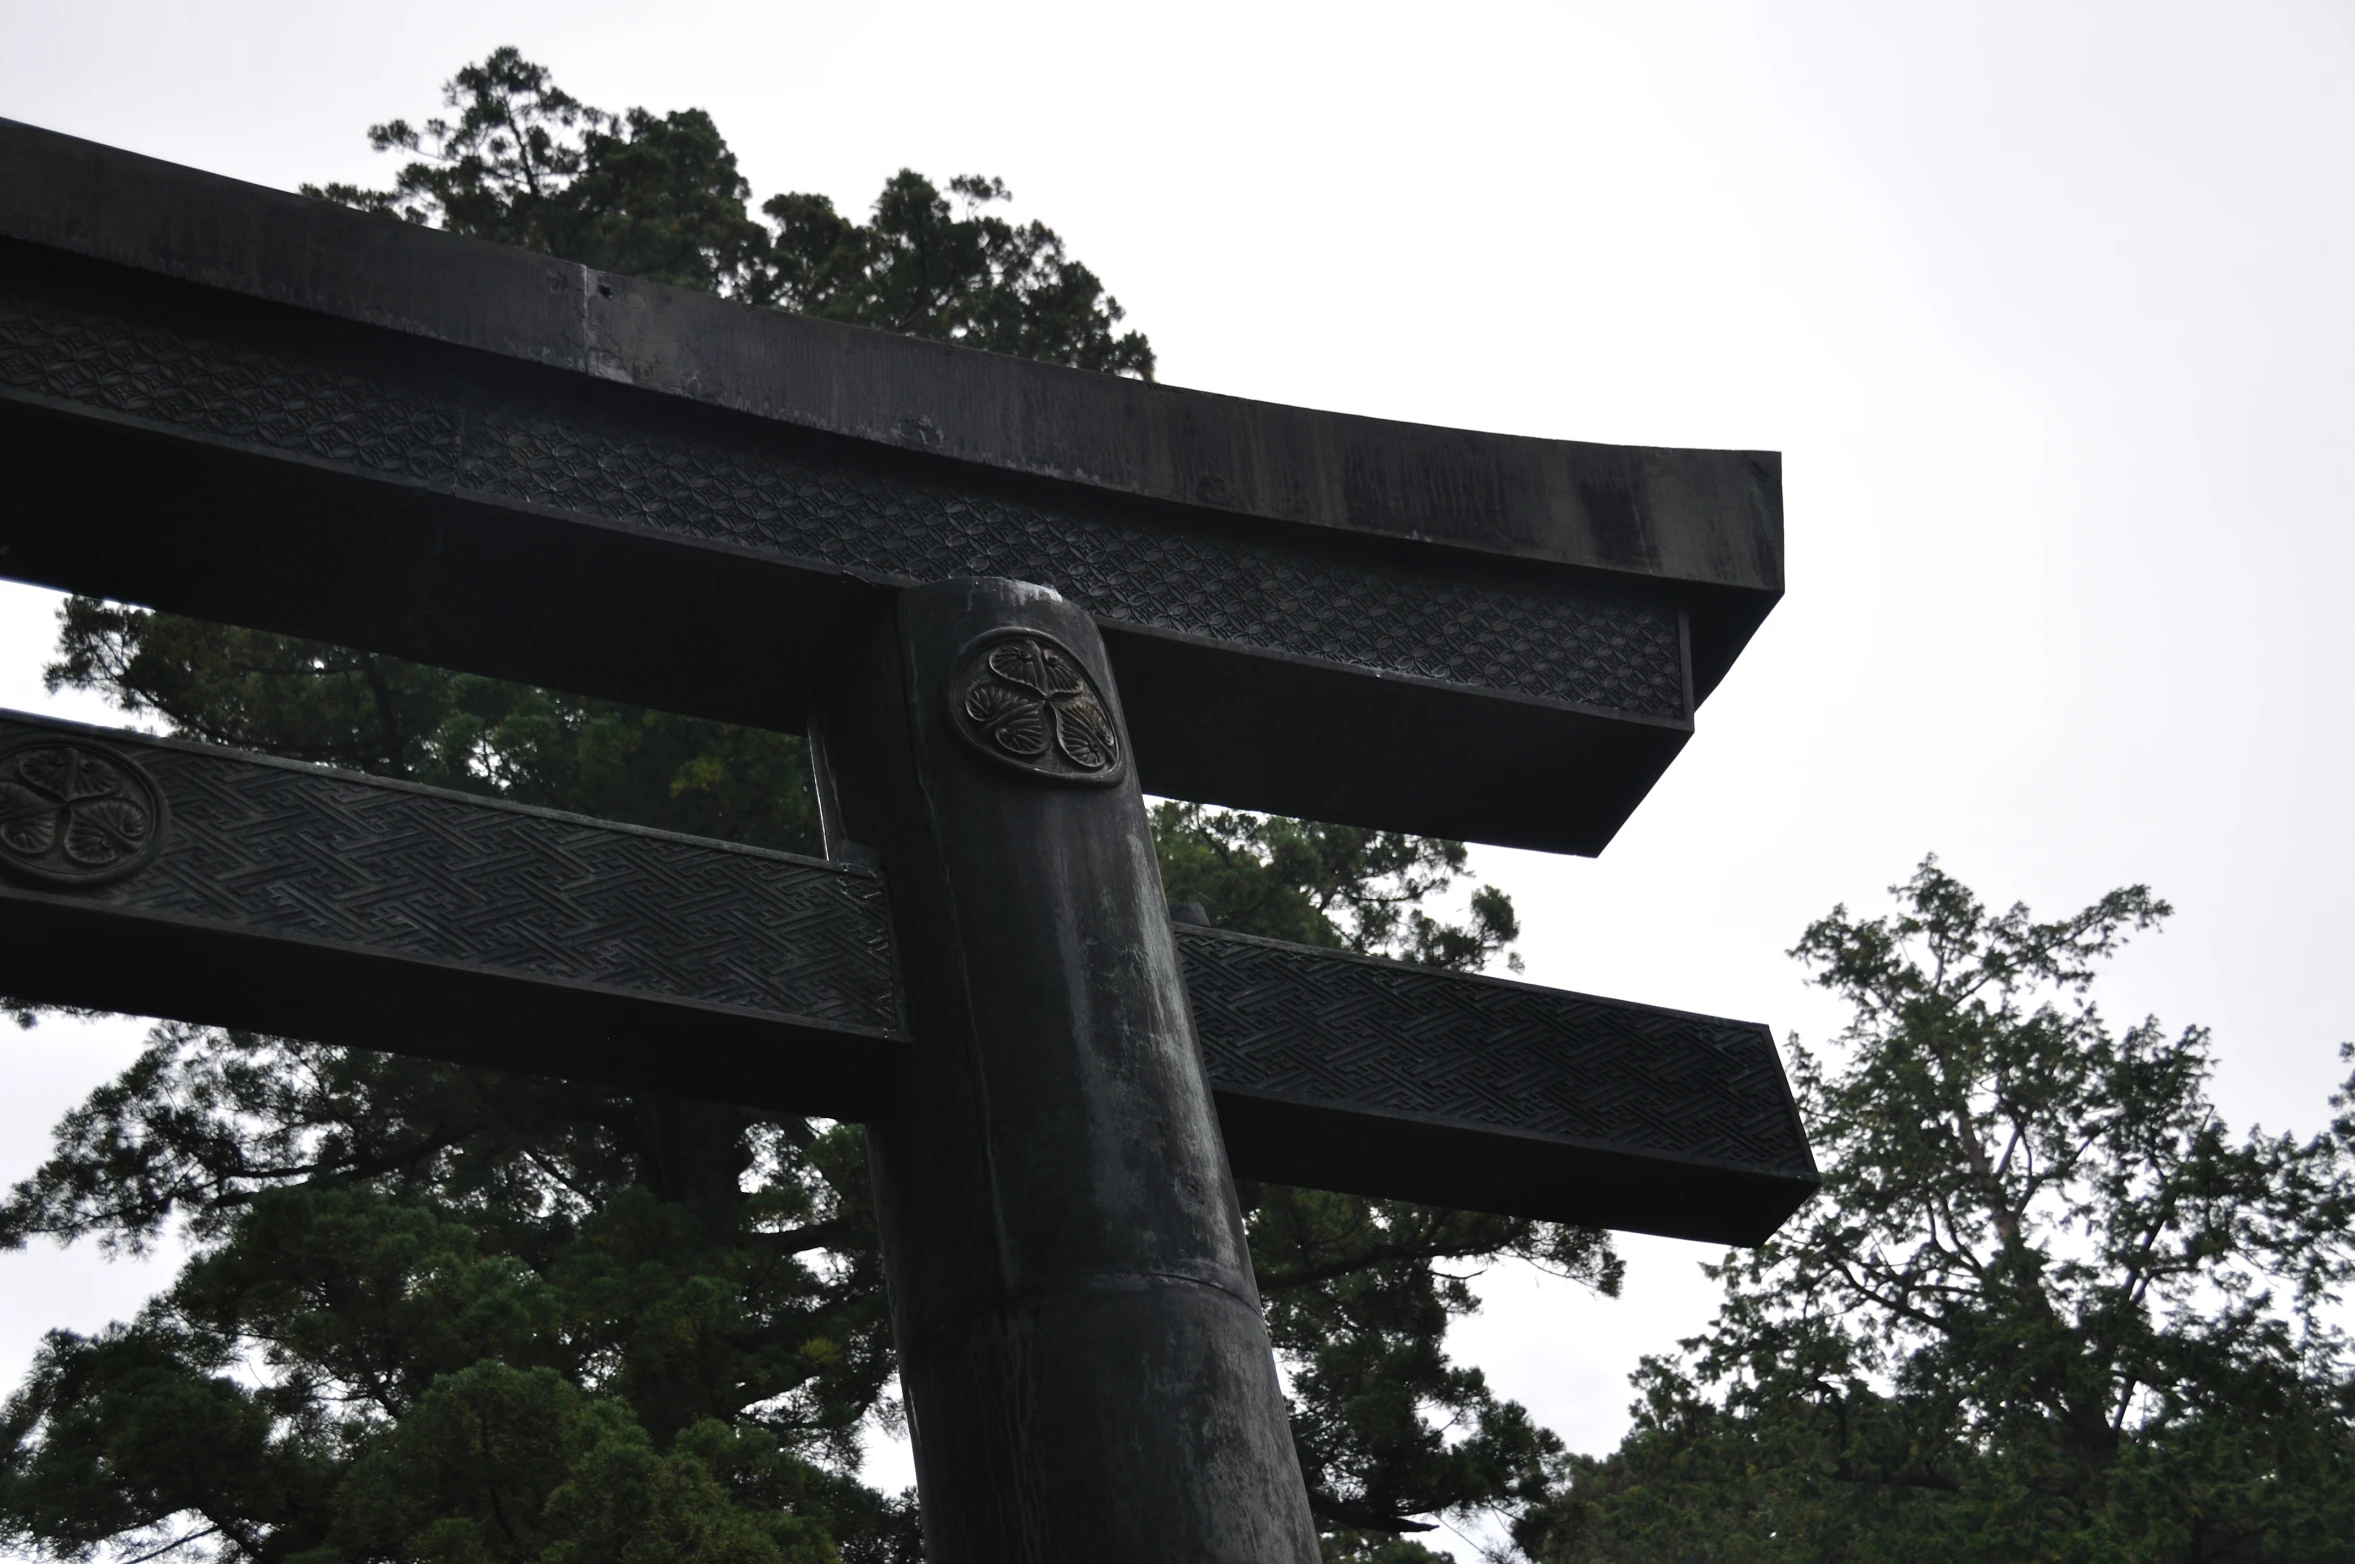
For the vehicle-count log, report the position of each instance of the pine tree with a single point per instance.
(2046, 1307)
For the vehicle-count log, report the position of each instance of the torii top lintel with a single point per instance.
(493, 459)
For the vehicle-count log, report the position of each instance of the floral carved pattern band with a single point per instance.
(1027, 700)
(76, 814)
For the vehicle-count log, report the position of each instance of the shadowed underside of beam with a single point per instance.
(354, 910)
(256, 408)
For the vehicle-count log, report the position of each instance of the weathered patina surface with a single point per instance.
(269, 410)
(290, 899)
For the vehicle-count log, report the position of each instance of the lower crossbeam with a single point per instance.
(285, 898)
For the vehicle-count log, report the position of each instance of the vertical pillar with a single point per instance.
(1086, 1371)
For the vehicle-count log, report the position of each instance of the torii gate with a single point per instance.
(1000, 597)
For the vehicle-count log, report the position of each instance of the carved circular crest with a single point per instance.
(76, 813)
(1024, 698)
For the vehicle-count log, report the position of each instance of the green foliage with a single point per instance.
(497, 1463)
(1359, 1294)
(1332, 885)
(658, 196)
(2046, 1307)
(527, 164)
(371, 1232)
(1374, 1547)
(960, 273)
(436, 1313)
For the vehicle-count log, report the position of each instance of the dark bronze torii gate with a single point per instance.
(1001, 597)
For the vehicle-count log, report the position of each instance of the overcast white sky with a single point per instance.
(2048, 308)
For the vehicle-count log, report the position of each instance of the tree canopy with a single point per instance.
(2046, 1307)
(449, 1314)
(658, 196)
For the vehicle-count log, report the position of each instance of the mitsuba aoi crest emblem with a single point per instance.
(1026, 699)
